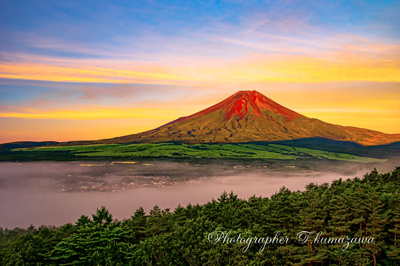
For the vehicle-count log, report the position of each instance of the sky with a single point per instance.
(83, 70)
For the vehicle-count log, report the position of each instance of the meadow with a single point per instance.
(178, 150)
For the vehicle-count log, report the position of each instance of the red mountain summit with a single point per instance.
(251, 116)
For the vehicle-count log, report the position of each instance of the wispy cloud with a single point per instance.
(94, 113)
(380, 62)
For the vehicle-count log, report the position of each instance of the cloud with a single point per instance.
(90, 113)
(263, 43)
(380, 62)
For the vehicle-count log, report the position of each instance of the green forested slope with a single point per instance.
(367, 207)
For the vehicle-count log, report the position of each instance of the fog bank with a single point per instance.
(58, 193)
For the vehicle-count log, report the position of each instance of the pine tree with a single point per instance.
(158, 221)
(312, 217)
(339, 225)
(375, 224)
(102, 216)
(135, 227)
(393, 251)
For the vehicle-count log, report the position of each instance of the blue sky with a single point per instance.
(98, 25)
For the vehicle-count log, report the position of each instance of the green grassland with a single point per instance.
(173, 150)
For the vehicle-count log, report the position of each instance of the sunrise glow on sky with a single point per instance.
(82, 70)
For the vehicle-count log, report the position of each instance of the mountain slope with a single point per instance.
(251, 116)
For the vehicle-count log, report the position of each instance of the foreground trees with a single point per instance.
(358, 208)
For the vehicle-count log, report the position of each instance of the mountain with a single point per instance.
(251, 116)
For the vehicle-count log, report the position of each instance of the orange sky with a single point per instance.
(352, 104)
